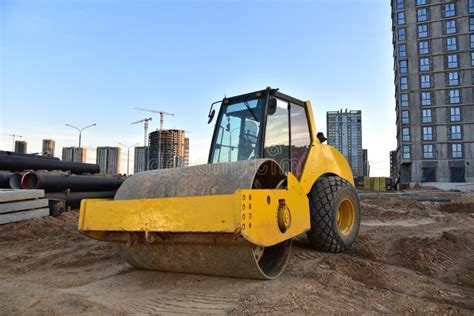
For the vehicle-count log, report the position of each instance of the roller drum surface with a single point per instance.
(235, 258)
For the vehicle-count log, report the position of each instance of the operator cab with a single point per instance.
(262, 124)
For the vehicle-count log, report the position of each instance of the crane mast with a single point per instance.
(145, 127)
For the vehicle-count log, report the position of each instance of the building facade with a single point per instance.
(344, 130)
(168, 149)
(74, 154)
(108, 159)
(140, 162)
(433, 42)
(48, 147)
(21, 146)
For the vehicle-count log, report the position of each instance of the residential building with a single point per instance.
(433, 43)
(68, 154)
(344, 130)
(168, 148)
(108, 159)
(48, 147)
(140, 159)
(74, 154)
(20, 146)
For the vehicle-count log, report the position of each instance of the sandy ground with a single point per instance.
(411, 256)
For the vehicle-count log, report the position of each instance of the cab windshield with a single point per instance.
(239, 129)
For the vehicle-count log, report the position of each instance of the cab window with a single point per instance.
(277, 135)
(300, 138)
(238, 132)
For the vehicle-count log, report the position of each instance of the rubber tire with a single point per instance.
(325, 196)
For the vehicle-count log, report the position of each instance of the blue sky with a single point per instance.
(83, 62)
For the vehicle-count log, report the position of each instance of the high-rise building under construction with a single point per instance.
(168, 149)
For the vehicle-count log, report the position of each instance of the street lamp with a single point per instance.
(80, 131)
(128, 155)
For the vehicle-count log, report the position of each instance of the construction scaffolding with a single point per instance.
(168, 148)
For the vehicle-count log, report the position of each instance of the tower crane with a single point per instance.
(145, 126)
(13, 136)
(162, 114)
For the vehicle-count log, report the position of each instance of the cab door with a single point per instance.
(287, 137)
(277, 134)
(300, 139)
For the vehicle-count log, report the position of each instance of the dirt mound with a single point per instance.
(364, 247)
(467, 207)
(444, 256)
(43, 227)
(394, 208)
(410, 257)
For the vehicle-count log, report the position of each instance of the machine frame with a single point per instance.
(287, 216)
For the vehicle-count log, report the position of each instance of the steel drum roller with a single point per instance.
(228, 255)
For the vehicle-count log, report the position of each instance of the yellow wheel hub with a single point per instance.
(345, 217)
(284, 218)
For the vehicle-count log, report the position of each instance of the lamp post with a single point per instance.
(128, 155)
(80, 130)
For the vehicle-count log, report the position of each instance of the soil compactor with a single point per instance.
(269, 178)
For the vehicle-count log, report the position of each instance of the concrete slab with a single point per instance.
(22, 205)
(447, 186)
(20, 216)
(7, 195)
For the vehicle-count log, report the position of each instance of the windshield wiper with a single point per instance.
(251, 112)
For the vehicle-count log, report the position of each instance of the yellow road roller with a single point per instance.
(269, 178)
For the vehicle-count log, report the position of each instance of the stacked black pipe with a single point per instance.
(18, 162)
(68, 181)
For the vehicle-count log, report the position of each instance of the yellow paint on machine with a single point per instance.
(259, 213)
(252, 213)
(322, 159)
(179, 214)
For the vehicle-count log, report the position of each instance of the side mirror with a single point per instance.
(321, 137)
(272, 106)
(211, 116)
(212, 112)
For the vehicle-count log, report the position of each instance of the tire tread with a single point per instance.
(322, 235)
